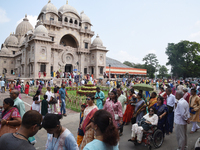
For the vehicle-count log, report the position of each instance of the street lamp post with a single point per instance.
(109, 72)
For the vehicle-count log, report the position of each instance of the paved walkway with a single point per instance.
(72, 120)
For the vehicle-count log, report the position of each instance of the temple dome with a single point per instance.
(41, 30)
(49, 8)
(23, 27)
(11, 40)
(97, 41)
(85, 18)
(4, 50)
(67, 8)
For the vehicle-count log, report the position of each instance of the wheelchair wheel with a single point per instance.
(157, 138)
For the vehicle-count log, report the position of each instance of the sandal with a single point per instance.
(130, 140)
(191, 132)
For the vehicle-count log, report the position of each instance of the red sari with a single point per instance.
(26, 89)
(129, 112)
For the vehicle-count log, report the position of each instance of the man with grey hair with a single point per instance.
(186, 95)
(18, 102)
(181, 119)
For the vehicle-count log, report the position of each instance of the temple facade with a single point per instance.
(60, 41)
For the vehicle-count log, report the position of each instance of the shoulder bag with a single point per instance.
(116, 115)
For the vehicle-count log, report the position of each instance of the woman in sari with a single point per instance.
(18, 88)
(56, 107)
(40, 87)
(10, 115)
(140, 108)
(129, 108)
(162, 112)
(153, 99)
(27, 88)
(86, 123)
(163, 94)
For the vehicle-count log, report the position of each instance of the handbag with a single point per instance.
(133, 120)
(116, 115)
(144, 125)
(8, 128)
(53, 101)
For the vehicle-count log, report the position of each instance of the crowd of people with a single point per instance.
(101, 119)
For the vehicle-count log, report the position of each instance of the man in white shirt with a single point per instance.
(181, 118)
(49, 97)
(171, 100)
(51, 82)
(2, 82)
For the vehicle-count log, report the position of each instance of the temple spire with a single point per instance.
(67, 2)
(49, 1)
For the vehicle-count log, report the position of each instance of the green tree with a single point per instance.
(184, 58)
(142, 66)
(151, 64)
(163, 71)
(128, 63)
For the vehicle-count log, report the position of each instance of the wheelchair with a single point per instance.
(153, 138)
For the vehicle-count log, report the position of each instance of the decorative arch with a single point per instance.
(76, 22)
(69, 40)
(66, 20)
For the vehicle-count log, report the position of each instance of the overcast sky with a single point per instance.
(130, 29)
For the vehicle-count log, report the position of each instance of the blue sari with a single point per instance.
(163, 124)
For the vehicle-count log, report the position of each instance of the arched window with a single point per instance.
(59, 18)
(76, 22)
(79, 24)
(66, 20)
(51, 18)
(71, 21)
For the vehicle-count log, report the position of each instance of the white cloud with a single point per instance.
(195, 36)
(3, 17)
(152, 51)
(197, 24)
(32, 20)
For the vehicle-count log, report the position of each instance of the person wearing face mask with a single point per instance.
(105, 132)
(151, 118)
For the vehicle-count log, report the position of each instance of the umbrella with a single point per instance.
(100, 78)
(193, 82)
(144, 87)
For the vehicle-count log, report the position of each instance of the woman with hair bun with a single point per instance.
(106, 134)
(58, 136)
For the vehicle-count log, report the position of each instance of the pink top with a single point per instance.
(112, 107)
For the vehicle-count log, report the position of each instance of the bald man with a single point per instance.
(18, 102)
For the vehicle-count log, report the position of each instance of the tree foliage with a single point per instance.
(184, 58)
(151, 63)
(163, 71)
(128, 63)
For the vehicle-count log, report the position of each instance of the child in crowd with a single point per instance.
(44, 107)
(80, 131)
